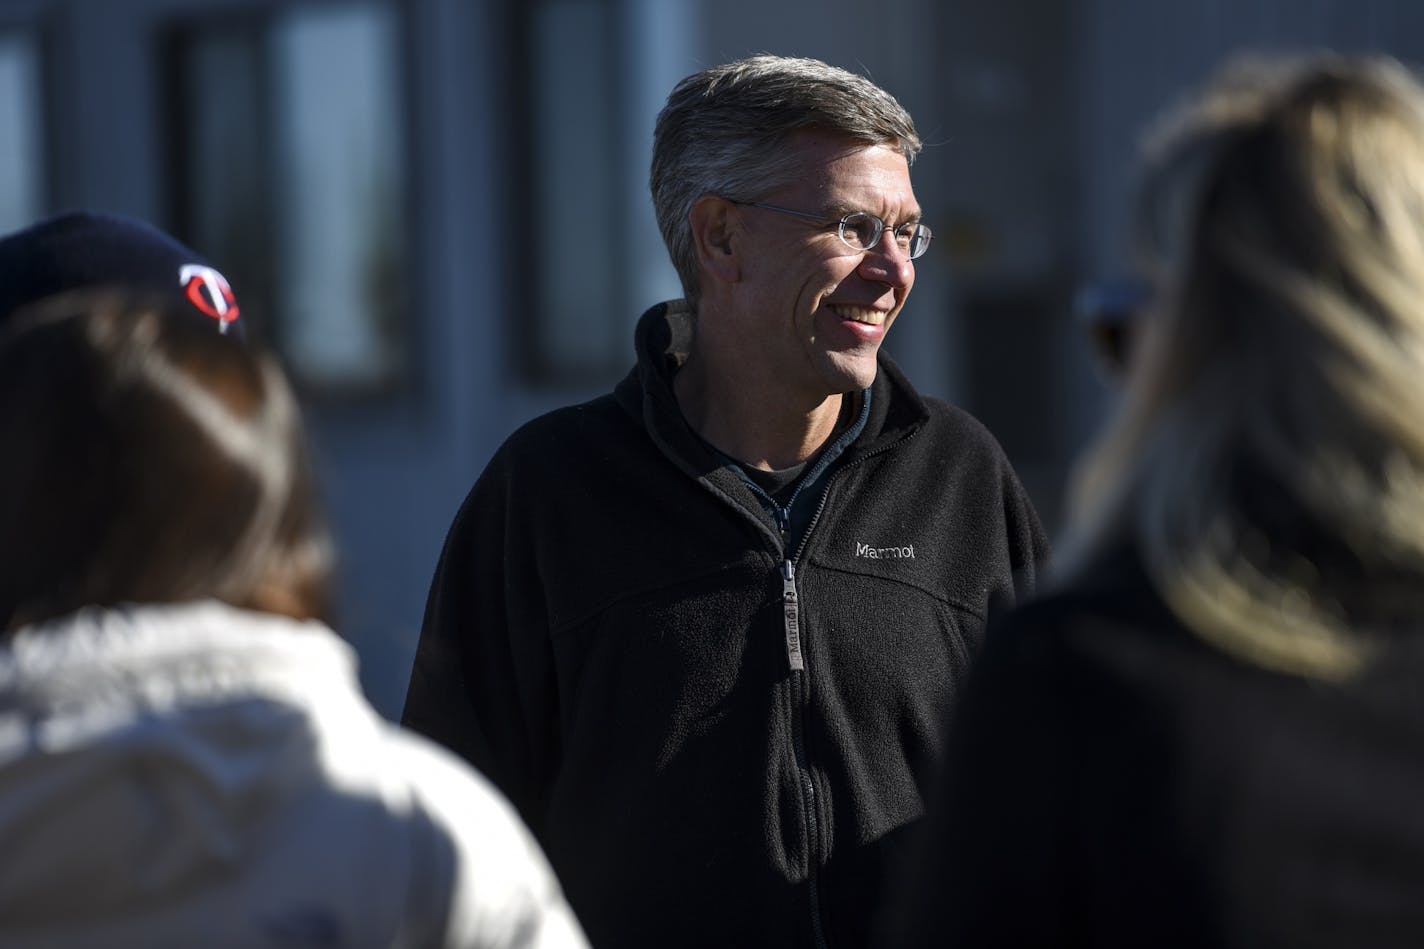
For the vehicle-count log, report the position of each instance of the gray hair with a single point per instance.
(1268, 461)
(724, 131)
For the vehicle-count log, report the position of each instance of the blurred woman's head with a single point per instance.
(149, 459)
(1269, 457)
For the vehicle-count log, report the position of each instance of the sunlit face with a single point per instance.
(813, 313)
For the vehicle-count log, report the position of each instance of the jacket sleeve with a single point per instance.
(479, 879)
(482, 683)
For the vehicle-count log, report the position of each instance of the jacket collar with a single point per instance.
(664, 336)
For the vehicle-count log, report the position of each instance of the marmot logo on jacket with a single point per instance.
(885, 553)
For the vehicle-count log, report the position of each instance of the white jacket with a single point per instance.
(196, 775)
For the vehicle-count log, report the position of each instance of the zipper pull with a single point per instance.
(791, 612)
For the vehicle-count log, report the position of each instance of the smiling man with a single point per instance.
(702, 630)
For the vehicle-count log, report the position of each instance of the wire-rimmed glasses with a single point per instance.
(861, 230)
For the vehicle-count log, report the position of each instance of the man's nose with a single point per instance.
(888, 262)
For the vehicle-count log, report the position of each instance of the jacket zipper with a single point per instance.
(791, 613)
(800, 688)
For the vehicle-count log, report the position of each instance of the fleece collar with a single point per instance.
(664, 337)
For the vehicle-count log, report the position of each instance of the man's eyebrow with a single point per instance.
(838, 210)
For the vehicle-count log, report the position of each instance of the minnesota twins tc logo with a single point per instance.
(208, 290)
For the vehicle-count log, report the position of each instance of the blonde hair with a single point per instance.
(1268, 459)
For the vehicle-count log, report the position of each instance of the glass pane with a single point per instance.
(290, 139)
(339, 134)
(576, 180)
(21, 135)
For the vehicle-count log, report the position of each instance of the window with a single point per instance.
(22, 179)
(590, 95)
(289, 135)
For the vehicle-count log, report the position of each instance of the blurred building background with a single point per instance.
(437, 209)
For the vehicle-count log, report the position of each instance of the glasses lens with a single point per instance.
(915, 238)
(860, 230)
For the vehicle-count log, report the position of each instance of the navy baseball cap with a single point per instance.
(80, 250)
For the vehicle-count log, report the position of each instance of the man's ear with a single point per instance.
(716, 232)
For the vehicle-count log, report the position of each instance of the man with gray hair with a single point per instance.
(702, 630)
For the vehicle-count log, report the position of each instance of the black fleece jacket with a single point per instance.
(718, 741)
(1114, 781)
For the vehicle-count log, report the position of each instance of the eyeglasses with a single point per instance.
(861, 230)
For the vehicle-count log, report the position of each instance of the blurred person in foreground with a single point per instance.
(702, 630)
(1210, 731)
(185, 756)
